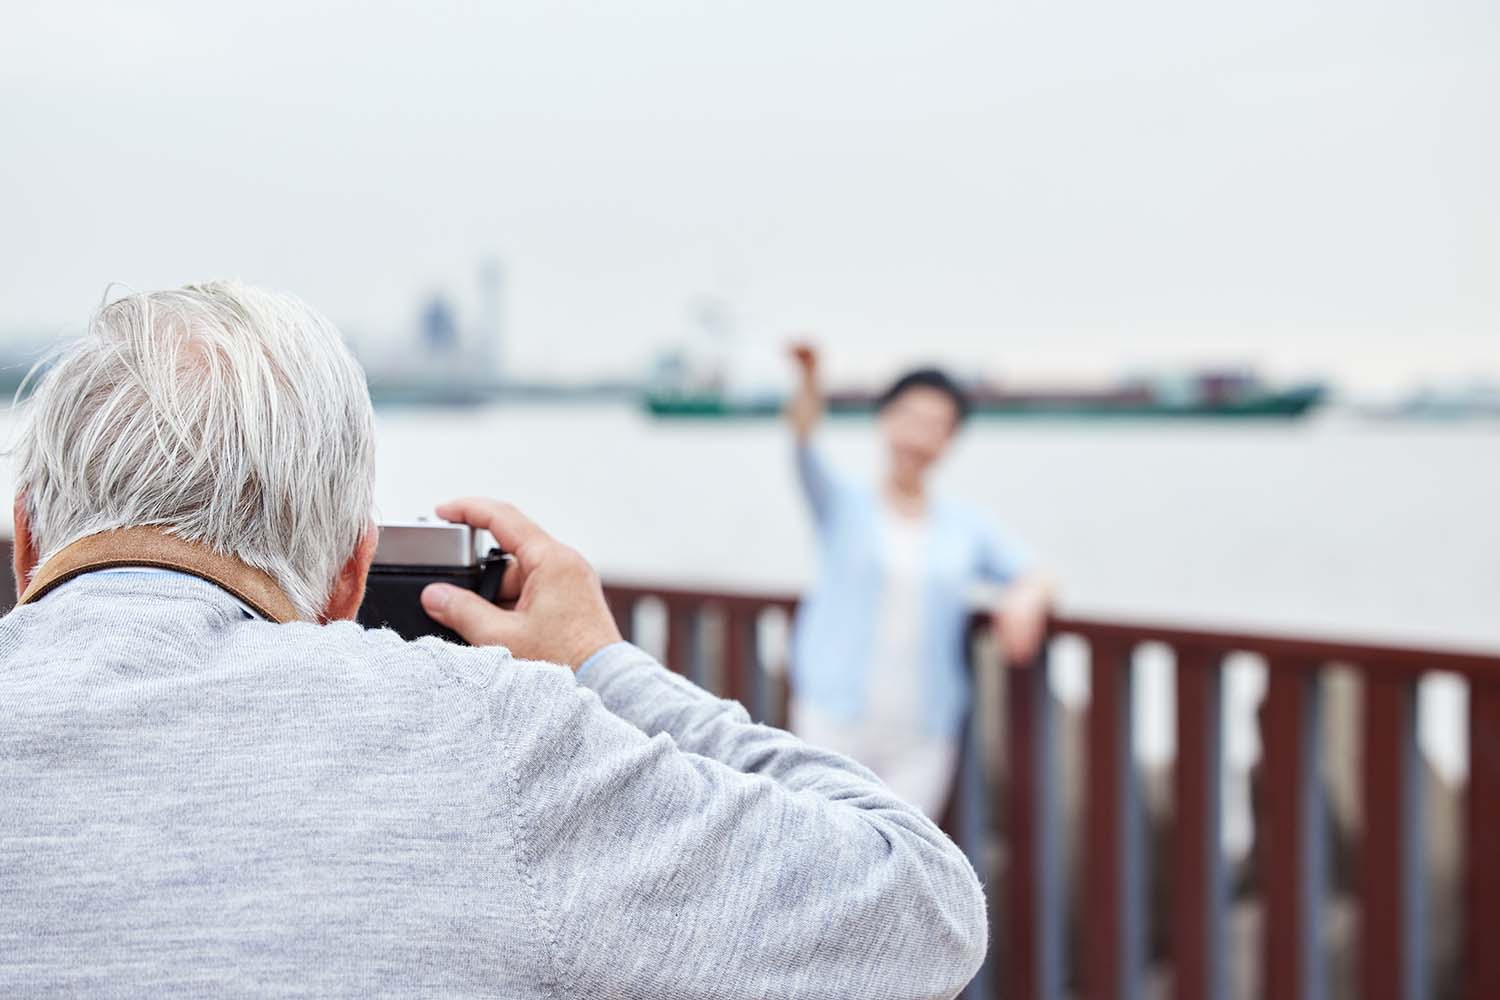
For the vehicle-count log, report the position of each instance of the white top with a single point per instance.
(890, 738)
(895, 692)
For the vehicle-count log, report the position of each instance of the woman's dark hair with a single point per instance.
(928, 378)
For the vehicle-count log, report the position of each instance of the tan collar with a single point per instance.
(145, 546)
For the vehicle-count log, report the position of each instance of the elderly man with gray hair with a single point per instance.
(212, 780)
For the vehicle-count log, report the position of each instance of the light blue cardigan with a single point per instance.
(836, 627)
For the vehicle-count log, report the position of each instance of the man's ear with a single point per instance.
(349, 587)
(23, 549)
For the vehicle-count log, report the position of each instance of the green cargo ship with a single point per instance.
(1208, 397)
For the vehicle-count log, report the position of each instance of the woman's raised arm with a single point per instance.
(805, 408)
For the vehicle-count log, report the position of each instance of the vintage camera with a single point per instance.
(412, 554)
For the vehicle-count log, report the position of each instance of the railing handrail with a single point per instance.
(639, 590)
(1278, 648)
(1290, 647)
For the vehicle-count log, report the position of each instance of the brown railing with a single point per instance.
(1290, 858)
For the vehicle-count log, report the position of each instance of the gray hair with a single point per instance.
(221, 413)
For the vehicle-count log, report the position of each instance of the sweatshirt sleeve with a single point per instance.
(680, 851)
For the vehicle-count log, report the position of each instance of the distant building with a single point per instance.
(439, 329)
(489, 329)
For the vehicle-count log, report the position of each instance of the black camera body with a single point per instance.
(412, 554)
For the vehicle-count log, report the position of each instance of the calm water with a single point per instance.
(1356, 529)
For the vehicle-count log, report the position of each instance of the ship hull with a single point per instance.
(1290, 404)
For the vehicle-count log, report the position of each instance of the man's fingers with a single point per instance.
(468, 614)
(512, 581)
(515, 532)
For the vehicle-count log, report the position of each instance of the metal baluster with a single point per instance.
(1200, 889)
(1294, 867)
(1116, 914)
(1392, 963)
(1482, 881)
(1033, 921)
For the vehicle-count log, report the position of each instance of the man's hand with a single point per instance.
(560, 614)
(1021, 620)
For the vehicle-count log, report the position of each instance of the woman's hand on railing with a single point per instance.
(1021, 619)
(560, 614)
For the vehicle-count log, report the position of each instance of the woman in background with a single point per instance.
(878, 659)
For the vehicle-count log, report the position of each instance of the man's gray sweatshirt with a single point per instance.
(193, 800)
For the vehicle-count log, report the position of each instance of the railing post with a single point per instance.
(1482, 882)
(778, 685)
(623, 608)
(739, 656)
(1292, 865)
(967, 821)
(1116, 912)
(682, 622)
(1391, 948)
(1032, 923)
(1200, 891)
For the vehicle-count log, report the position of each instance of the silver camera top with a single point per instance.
(426, 543)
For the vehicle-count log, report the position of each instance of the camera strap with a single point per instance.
(148, 546)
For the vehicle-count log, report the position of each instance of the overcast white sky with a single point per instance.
(1018, 184)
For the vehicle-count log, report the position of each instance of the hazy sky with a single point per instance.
(1000, 182)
